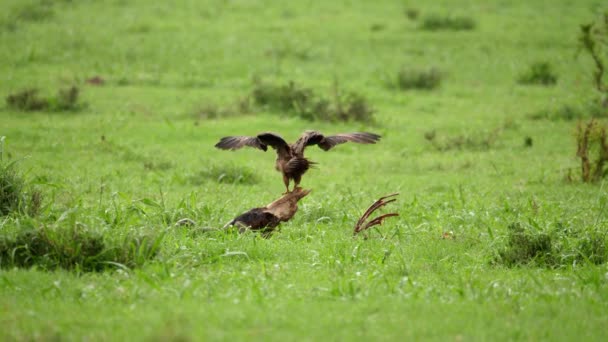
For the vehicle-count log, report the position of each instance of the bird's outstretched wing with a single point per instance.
(309, 138)
(261, 141)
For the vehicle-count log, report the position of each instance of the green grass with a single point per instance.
(139, 156)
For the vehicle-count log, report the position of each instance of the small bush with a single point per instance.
(425, 79)
(34, 11)
(213, 111)
(303, 102)
(74, 248)
(478, 141)
(556, 247)
(438, 22)
(593, 39)
(412, 13)
(568, 112)
(15, 195)
(28, 100)
(289, 97)
(66, 99)
(539, 73)
(592, 138)
(11, 189)
(525, 246)
(228, 174)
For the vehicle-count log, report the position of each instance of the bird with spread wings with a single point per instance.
(290, 157)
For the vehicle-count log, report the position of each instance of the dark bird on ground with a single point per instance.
(267, 218)
(290, 157)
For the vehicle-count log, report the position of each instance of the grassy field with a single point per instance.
(473, 159)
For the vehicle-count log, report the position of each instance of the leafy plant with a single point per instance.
(540, 73)
(412, 13)
(76, 248)
(425, 79)
(555, 247)
(16, 196)
(592, 139)
(525, 246)
(229, 174)
(477, 141)
(435, 22)
(593, 39)
(29, 100)
(307, 105)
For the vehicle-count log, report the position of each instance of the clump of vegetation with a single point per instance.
(539, 73)
(227, 174)
(303, 102)
(288, 97)
(425, 79)
(592, 140)
(554, 248)
(26, 100)
(74, 248)
(435, 22)
(412, 13)
(14, 193)
(29, 100)
(594, 40)
(213, 111)
(565, 112)
(478, 141)
(524, 246)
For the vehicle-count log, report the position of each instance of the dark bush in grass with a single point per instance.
(15, 194)
(228, 174)
(568, 112)
(75, 248)
(592, 139)
(213, 111)
(565, 112)
(425, 79)
(437, 22)
(554, 248)
(593, 39)
(26, 100)
(29, 100)
(289, 97)
(303, 102)
(539, 73)
(480, 141)
(412, 13)
(11, 189)
(524, 246)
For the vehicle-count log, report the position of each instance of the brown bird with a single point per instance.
(290, 157)
(266, 219)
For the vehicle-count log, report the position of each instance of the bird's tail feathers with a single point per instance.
(299, 165)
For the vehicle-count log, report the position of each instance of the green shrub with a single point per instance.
(592, 139)
(304, 103)
(557, 247)
(12, 189)
(477, 141)
(289, 97)
(15, 196)
(539, 73)
(28, 100)
(437, 22)
(228, 174)
(75, 248)
(425, 79)
(412, 13)
(525, 246)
